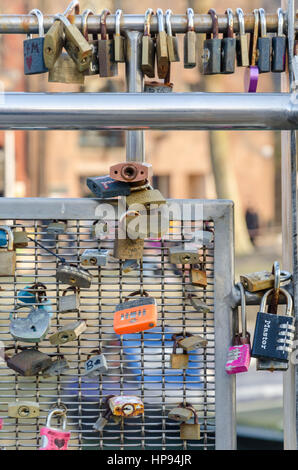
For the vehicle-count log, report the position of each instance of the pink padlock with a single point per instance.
(239, 354)
(1, 423)
(55, 438)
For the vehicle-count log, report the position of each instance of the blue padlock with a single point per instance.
(105, 187)
(36, 294)
(33, 49)
(3, 237)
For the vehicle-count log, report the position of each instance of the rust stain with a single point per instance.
(71, 18)
(26, 25)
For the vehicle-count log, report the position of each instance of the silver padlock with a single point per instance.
(94, 257)
(7, 255)
(74, 276)
(58, 366)
(69, 302)
(57, 227)
(181, 413)
(31, 329)
(96, 365)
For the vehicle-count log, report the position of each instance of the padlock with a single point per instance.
(190, 38)
(140, 225)
(191, 431)
(78, 49)
(228, 45)
(65, 71)
(178, 361)
(148, 47)
(198, 277)
(271, 366)
(57, 227)
(131, 172)
(32, 294)
(295, 63)
(130, 265)
(241, 41)
(180, 413)
(158, 87)
(212, 48)
(29, 362)
(105, 187)
(96, 364)
(126, 405)
(106, 54)
(263, 46)
(119, 41)
(126, 248)
(68, 333)
(31, 329)
(239, 354)
(20, 239)
(134, 316)
(180, 255)
(93, 68)
(191, 342)
(74, 276)
(172, 40)
(102, 421)
(69, 303)
(161, 47)
(94, 257)
(100, 229)
(7, 256)
(145, 197)
(279, 46)
(55, 438)
(57, 367)
(274, 333)
(3, 238)
(23, 409)
(33, 49)
(262, 280)
(198, 304)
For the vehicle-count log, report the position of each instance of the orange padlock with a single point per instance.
(134, 316)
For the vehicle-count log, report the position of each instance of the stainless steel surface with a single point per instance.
(172, 111)
(135, 143)
(24, 24)
(138, 364)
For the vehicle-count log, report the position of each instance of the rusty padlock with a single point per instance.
(29, 362)
(74, 276)
(131, 172)
(191, 431)
(198, 277)
(191, 342)
(178, 361)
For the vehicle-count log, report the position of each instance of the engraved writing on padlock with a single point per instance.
(23, 409)
(191, 342)
(131, 172)
(74, 276)
(105, 187)
(57, 367)
(29, 362)
(31, 329)
(134, 316)
(55, 438)
(180, 255)
(33, 49)
(20, 239)
(262, 280)
(190, 431)
(68, 333)
(126, 406)
(69, 302)
(57, 227)
(7, 255)
(94, 257)
(180, 413)
(178, 361)
(96, 365)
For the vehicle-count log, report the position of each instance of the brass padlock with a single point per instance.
(140, 225)
(29, 362)
(161, 47)
(145, 197)
(57, 227)
(65, 71)
(262, 280)
(20, 239)
(119, 41)
(191, 342)
(68, 333)
(148, 47)
(180, 255)
(125, 248)
(69, 303)
(198, 277)
(23, 409)
(172, 40)
(7, 255)
(190, 56)
(106, 55)
(178, 361)
(180, 413)
(74, 276)
(191, 431)
(93, 68)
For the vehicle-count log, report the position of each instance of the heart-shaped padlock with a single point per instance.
(31, 329)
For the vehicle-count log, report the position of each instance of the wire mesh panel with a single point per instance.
(139, 364)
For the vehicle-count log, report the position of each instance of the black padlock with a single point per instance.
(264, 46)
(105, 187)
(279, 46)
(229, 46)
(212, 48)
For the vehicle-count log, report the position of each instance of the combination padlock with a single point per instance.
(178, 361)
(20, 239)
(57, 227)
(104, 187)
(29, 362)
(262, 280)
(274, 334)
(74, 276)
(180, 255)
(211, 58)
(191, 342)
(181, 413)
(69, 302)
(94, 257)
(229, 46)
(8, 254)
(31, 329)
(23, 409)
(106, 52)
(134, 316)
(68, 333)
(148, 47)
(126, 406)
(33, 49)
(55, 438)
(58, 366)
(191, 431)
(131, 172)
(96, 364)
(279, 46)
(239, 354)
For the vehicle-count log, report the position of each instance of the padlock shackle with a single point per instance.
(243, 310)
(74, 5)
(285, 293)
(263, 22)
(190, 19)
(277, 274)
(147, 23)
(160, 20)
(40, 291)
(168, 22)
(40, 20)
(280, 22)
(255, 38)
(59, 413)
(241, 21)
(66, 23)
(85, 15)
(142, 293)
(9, 234)
(118, 15)
(230, 31)
(214, 18)
(194, 411)
(175, 344)
(73, 288)
(94, 351)
(103, 24)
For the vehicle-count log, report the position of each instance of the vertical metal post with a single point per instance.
(9, 164)
(135, 147)
(289, 235)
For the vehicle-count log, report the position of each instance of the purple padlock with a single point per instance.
(252, 73)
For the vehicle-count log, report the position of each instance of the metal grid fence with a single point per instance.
(138, 363)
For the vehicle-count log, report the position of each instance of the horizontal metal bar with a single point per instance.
(25, 24)
(254, 298)
(173, 111)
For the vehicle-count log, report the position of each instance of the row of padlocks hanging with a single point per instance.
(100, 56)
